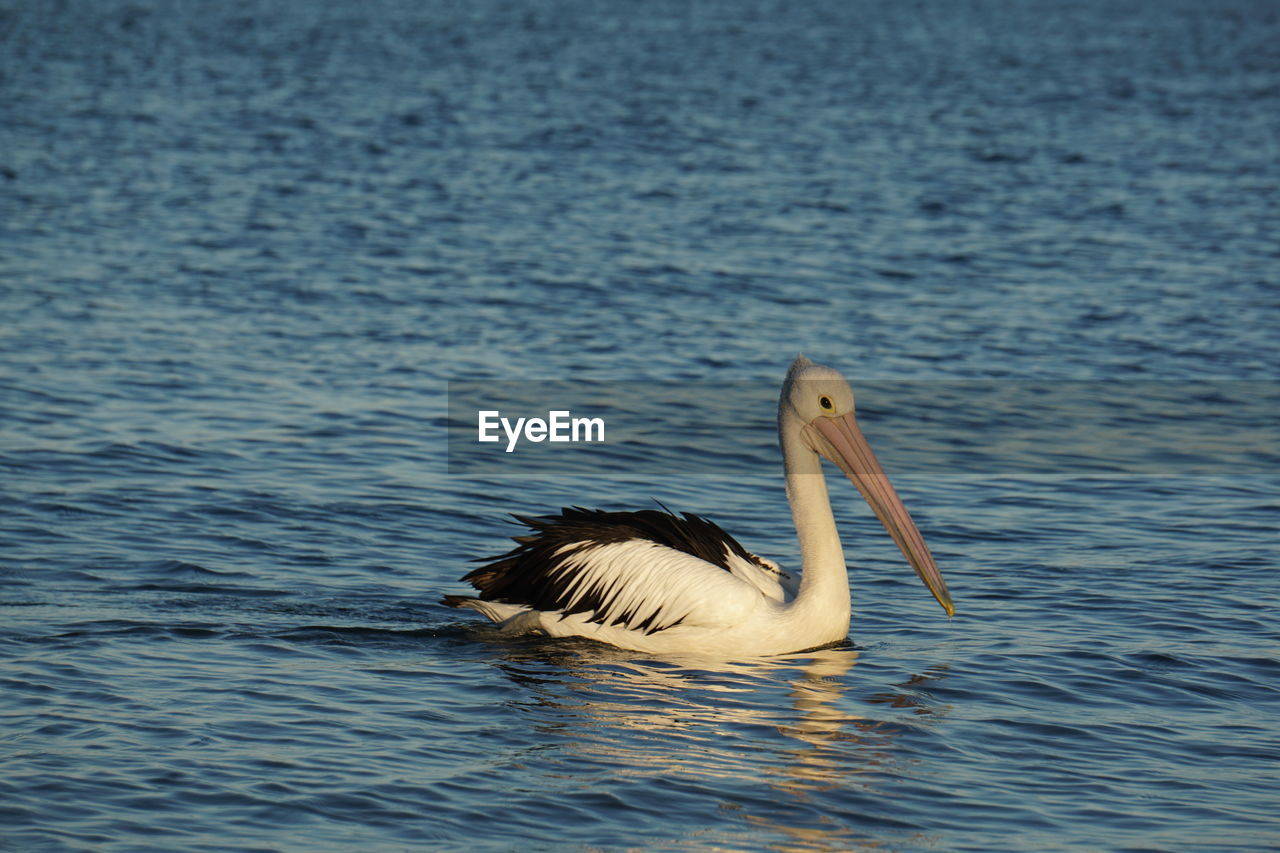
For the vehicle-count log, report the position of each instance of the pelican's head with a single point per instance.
(818, 403)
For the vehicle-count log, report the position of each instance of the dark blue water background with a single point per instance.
(245, 246)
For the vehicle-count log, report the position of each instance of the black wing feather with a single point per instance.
(528, 574)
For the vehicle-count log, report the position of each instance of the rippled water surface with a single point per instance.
(245, 248)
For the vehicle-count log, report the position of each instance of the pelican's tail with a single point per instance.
(497, 611)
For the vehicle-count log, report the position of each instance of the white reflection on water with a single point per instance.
(786, 742)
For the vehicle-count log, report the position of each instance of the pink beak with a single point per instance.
(840, 440)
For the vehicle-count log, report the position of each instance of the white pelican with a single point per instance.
(665, 584)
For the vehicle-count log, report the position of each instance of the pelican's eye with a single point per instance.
(825, 402)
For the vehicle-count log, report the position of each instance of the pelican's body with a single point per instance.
(660, 583)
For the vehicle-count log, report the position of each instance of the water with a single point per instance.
(246, 247)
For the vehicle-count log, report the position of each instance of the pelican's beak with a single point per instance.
(840, 440)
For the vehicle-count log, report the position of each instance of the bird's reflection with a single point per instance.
(786, 723)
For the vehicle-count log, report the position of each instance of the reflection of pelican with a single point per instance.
(656, 582)
(768, 743)
(633, 706)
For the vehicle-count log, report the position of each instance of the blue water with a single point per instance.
(244, 248)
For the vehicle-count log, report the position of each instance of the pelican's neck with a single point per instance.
(823, 599)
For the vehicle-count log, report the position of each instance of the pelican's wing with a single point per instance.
(645, 571)
(765, 575)
(644, 586)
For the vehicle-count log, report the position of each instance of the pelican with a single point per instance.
(658, 583)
